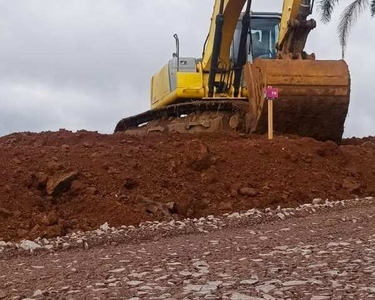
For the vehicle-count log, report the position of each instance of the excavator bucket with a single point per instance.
(313, 97)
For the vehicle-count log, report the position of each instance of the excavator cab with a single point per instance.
(262, 37)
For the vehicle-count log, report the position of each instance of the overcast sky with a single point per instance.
(85, 64)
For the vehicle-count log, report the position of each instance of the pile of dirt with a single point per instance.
(53, 183)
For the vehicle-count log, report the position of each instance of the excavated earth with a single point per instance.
(55, 183)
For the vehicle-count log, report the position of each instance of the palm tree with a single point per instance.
(348, 17)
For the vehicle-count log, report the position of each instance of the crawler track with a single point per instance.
(234, 106)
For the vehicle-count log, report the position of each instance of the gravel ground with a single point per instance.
(321, 251)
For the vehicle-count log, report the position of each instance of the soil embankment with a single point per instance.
(53, 183)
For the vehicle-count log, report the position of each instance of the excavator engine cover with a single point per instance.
(313, 97)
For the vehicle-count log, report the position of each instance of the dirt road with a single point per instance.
(322, 253)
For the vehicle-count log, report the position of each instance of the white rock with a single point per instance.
(201, 264)
(165, 277)
(134, 283)
(281, 216)
(333, 244)
(336, 284)
(370, 289)
(210, 287)
(265, 288)
(193, 288)
(38, 293)
(318, 201)
(268, 297)
(318, 266)
(37, 267)
(144, 288)
(281, 248)
(294, 283)
(235, 215)
(238, 296)
(157, 270)
(285, 229)
(253, 280)
(273, 282)
(120, 270)
(75, 292)
(29, 245)
(279, 294)
(115, 284)
(138, 275)
(200, 274)
(344, 244)
(174, 264)
(104, 227)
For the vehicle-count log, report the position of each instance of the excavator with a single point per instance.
(244, 53)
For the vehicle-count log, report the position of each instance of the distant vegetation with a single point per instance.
(348, 17)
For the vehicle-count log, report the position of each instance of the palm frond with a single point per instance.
(325, 9)
(348, 17)
(372, 8)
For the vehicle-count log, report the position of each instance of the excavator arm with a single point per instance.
(216, 54)
(294, 29)
(225, 16)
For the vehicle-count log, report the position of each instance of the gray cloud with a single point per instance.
(86, 64)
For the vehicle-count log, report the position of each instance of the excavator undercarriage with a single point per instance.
(190, 117)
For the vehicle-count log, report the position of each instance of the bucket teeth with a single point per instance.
(313, 96)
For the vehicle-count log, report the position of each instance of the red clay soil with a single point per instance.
(53, 183)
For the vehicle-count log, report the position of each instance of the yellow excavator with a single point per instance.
(244, 53)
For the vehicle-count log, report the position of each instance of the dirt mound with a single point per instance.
(53, 183)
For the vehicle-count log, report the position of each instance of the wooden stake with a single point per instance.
(270, 119)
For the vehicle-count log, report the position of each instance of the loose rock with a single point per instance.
(29, 245)
(248, 192)
(60, 183)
